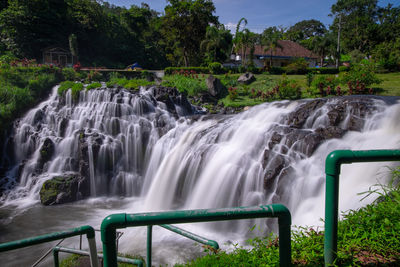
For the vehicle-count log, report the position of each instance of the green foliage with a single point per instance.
(70, 74)
(76, 90)
(325, 85)
(132, 84)
(366, 237)
(215, 68)
(64, 86)
(93, 86)
(176, 70)
(360, 77)
(21, 88)
(309, 78)
(299, 66)
(323, 70)
(192, 86)
(184, 26)
(343, 68)
(94, 75)
(288, 89)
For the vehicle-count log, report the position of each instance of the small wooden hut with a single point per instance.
(58, 56)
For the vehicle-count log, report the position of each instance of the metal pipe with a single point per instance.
(116, 221)
(88, 230)
(149, 244)
(332, 169)
(197, 238)
(56, 251)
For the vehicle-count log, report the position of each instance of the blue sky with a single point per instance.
(261, 14)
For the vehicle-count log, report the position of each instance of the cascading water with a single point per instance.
(114, 143)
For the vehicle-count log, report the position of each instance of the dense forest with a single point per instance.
(101, 34)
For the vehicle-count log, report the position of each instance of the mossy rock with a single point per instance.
(59, 190)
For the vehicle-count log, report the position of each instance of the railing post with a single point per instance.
(149, 244)
(55, 257)
(332, 169)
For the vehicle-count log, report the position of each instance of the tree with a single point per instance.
(217, 43)
(323, 46)
(270, 40)
(358, 23)
(185, 25)
(306, 29)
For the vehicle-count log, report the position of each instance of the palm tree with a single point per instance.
(216, 43)
(270, 40)
(238, 40)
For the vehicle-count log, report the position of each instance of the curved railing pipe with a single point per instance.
(332, 170)
(116, 221)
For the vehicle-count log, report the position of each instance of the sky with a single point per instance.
(261, 14)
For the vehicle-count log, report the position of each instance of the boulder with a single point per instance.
(246, 78)
(46, 152)
(215, 87)
(60, 189)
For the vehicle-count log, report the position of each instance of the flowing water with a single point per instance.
(132, 153)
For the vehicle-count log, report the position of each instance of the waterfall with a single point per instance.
(138, 144)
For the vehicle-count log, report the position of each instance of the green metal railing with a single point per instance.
(88, 230)
(122, 220)
(332, 169)
(56, 251)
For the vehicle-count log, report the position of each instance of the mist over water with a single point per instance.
(133, 154)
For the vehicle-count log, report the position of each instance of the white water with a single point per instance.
(145, 159)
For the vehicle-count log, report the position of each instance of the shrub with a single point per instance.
(288, 89)
(344, 68)
(232, 93)
(276, 70)
(360, 78)
(93, 86)
(215, 68)
(175, 70)
(323, 70)
(298, 66)
(94, 76)
(69, 74)
(326, 84)
(75, 90)
(64, 86)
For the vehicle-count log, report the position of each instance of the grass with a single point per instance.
(132, 84)
(366, 237)
(390, 85)
(195, 84)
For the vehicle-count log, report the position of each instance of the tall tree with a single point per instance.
(185, 25)
(358, 23)
(217, 43)
(270, 40)
(306, 29)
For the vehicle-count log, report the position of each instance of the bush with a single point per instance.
(288, 89)
(75, 90)
(64, 86)
(94, 76)
(175, 70)
(323, 70)
(276, 70)
(344, 68)
(299, 66)
(93, 86)
(361, 77)
(69, 74)
(215, 68)
(325, 85)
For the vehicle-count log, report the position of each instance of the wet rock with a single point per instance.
(300, 115)
(246, 78)
(46, 152)
(215, 87)
(171, 97)
(60, 189)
